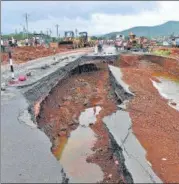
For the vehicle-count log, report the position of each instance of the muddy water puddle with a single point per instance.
(72, 152)
(168, 88)
(89, 116)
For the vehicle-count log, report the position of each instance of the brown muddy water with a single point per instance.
(168, 87)
(72, 152)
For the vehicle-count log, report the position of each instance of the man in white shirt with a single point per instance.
(2, 45)
(13, 41)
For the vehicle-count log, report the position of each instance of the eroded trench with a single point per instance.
(72, 117)
(82, 96)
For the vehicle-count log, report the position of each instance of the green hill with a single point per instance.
(165, 29)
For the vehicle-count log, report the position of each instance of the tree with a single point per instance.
(94, 38)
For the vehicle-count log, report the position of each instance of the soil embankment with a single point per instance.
(154, 122)
(25, 54)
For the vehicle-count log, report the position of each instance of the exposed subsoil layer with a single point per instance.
(25, 54)
(61, 109)
(154, 122)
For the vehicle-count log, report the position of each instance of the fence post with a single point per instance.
(11, 64)
(54, 51)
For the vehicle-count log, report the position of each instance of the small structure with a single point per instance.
(39, 38)
(175, 41)
(165, 43)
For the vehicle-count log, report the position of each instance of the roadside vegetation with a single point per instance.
(162, 52)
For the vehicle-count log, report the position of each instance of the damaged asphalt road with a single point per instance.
(25, 151)
(33, 160)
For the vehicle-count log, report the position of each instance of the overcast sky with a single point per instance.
(96, 17)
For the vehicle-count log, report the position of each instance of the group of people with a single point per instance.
(12, 42)
(33, 41)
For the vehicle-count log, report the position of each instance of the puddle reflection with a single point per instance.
(73, 151)
(169, 89)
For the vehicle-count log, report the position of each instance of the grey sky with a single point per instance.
(86, 15)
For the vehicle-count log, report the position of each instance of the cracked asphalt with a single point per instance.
(25, 150)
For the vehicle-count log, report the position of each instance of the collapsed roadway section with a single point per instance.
(123, 150)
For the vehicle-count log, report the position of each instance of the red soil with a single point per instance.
(155, 123)
(25, 54)
(67, 100)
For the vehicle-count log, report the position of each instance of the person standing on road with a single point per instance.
(13, 42)
(10, 42)
(2, 45)
(100, 45)
(36, 42)
(26, 41)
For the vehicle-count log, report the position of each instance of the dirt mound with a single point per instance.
(24, 54)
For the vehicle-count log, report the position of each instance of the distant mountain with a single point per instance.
(165, 29)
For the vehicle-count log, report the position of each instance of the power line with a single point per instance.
(23, 30)
(76, 31)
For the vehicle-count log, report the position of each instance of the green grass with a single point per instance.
(162, 52)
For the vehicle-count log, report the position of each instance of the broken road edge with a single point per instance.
(42, 88)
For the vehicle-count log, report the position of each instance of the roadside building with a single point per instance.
(175, 41)
(165, 43)
(39, 38)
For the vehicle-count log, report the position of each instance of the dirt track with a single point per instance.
(155, 123)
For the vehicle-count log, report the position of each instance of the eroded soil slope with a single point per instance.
(155, 123)
(59, 116)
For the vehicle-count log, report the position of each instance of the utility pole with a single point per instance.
(26, 20)
(76, 31)
(23, 30)
(57, 29)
